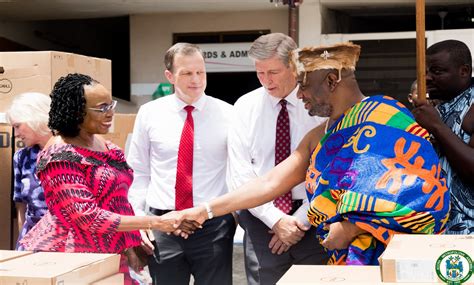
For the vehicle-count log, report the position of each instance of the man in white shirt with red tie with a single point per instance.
(269, 124)
(179, 156)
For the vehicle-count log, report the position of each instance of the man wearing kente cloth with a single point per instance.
(374, 173)
(370, 170)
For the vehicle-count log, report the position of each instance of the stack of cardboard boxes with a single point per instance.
(37, 72)
(408, 259)
(425, 258)
(33, 72)
(54, 268)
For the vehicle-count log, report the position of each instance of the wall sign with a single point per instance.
(227, 57)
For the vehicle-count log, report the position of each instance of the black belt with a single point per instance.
(158, 212)
(295, 204)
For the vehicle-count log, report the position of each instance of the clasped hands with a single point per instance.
(182, 223)
(286, 232)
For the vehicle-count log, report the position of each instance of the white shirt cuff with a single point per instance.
(270, 216)
(302, 214)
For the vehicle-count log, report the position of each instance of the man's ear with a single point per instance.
(170, 76)
(332, 80)
(465, 71)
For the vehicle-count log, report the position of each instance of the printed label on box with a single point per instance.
(415, 271)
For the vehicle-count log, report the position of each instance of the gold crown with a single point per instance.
(339, 56)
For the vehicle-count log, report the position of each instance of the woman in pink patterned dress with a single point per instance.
(86, 179)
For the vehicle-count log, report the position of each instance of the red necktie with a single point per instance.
(184, 168)
(282, 151)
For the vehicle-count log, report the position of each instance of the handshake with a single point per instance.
(181, 223)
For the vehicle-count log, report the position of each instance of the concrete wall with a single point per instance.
(152, 34)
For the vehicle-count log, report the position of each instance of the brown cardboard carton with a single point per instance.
(328, 274)
(5, 186)
(38, 72)
(33, 72)
(121, 130)
(412, 258)
(55, 268)
(116, 279)
(6, 255)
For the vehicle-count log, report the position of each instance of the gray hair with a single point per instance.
(179, 48)
(31, 108)
(269, 45)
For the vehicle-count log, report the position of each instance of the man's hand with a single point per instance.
(178, 224)
(426, 115)
(341, 235)
(277, 246)
(196, 215)
(289, 230)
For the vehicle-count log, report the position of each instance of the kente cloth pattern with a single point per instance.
(461, 217)
(376, 168)
(86, 192)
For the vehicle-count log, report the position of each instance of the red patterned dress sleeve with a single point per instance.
(86, 192)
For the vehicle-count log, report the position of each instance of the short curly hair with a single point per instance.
(68, 104)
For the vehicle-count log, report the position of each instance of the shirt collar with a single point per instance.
(198, 105)
(291, 98)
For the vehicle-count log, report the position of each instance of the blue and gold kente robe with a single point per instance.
(376, 168)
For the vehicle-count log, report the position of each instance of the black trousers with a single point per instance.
(262, 267)
(206, 254)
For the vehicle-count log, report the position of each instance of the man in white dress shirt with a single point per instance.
(179, 156)
(270, 122)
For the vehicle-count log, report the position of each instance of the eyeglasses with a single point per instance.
(105, 108)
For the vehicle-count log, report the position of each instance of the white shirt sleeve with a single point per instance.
(139, 159)
(241, 169)
(302, 212)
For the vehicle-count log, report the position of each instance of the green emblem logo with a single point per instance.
(454, 267)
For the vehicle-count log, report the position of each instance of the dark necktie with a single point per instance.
(184, 168)
(282, 151)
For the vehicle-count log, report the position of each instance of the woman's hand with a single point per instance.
(186, 221)
(147, 239)
(167, 223)
(133, 260)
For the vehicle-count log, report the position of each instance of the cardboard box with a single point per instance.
(328, 274)
(38, 72)
(6, 255)
(33, 72)
(412, 258)
(116, 279)
(6, 141)
(121, 130)
(57, 268)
